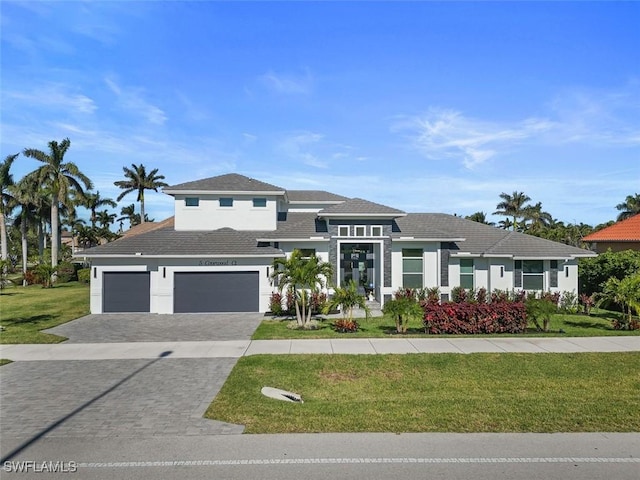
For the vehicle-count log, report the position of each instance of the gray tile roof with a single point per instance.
(167, 241)
(358, 206)
(480, 238)
(314, 196)
(231, 182)
(301, 225)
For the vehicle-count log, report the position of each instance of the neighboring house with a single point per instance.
(216, 254)
(623, 235)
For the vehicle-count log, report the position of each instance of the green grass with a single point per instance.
(585, 392)
(599, 323)
(24, 311)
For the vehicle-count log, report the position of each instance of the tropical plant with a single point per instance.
(302, 275)
(541, 309)
(348, 298)
(25, 196)
(93, 201)
(403, 308)
(46, 274)
(630, 207)
(513, 206)
(594, 272)
(538, 218)
(138, 180)
(626, 293)
(60, 178)
(480, 217)
(6, 181)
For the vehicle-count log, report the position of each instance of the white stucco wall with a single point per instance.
(209, 215)
(162, 274)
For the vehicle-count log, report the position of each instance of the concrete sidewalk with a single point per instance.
(239, 348)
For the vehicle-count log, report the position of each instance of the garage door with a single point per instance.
(199, 292)
(125, 292)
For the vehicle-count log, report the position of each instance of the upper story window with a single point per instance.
(376, 231)
(226, 202)
(191, 201)
(361, 231)
(259, 202)
(466, 273)
(343, 230)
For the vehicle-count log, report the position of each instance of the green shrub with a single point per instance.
(84, 275)
(66, 272)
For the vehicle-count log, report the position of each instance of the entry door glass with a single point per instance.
(357, 262)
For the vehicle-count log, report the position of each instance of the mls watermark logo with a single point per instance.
(31, 466)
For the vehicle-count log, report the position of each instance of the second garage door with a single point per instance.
(204, 292)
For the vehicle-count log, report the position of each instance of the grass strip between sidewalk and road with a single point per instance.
(24, 311)
(555, 392)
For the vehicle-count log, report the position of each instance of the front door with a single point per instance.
(357, 264)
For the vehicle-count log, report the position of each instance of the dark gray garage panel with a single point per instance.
(125, 292)
(201, 292)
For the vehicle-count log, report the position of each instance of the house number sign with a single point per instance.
(217, 263)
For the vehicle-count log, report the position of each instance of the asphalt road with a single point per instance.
(321, 456)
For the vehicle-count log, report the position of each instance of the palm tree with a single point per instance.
(479, 217)
(106, 219)
(93, 201)
(348, 298)
(512, 206)
(6, 181)
(25, 196)
(301, 274)
(630, 207)
(60, 178)
(137, 179)
(74, 223)
(539, 219)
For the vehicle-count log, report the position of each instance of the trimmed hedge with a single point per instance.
(472, 318)
(84, 275)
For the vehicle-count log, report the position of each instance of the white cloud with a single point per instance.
(132, 100)
(287, 83)
(444, 133)
(53, 96)
(298, 147)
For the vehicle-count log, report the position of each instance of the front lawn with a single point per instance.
(24, 311)
(599, 323)
(585, 392)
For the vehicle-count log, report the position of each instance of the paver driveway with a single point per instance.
(181, 327)
(99, 398)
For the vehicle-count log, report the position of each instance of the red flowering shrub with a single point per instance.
(472, 318)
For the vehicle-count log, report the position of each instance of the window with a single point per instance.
(533, 274)
(259, 202)
(466, 273)
(226, 202)
(361, 231)
(191, 202)
(343, 231)
(307, 252)
(376, 231)
(412, 267)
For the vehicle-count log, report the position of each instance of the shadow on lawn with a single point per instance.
(32, 320)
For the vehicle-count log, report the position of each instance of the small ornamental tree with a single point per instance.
(348, 299)
(541, 309)
(302, 275)
(403, 308)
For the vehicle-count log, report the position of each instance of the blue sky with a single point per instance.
(423, 106)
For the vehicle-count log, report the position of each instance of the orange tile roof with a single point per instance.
(148, 226)
(624, 231)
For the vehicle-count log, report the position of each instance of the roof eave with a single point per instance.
(224, 192)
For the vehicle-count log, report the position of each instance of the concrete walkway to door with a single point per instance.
(240, 348)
